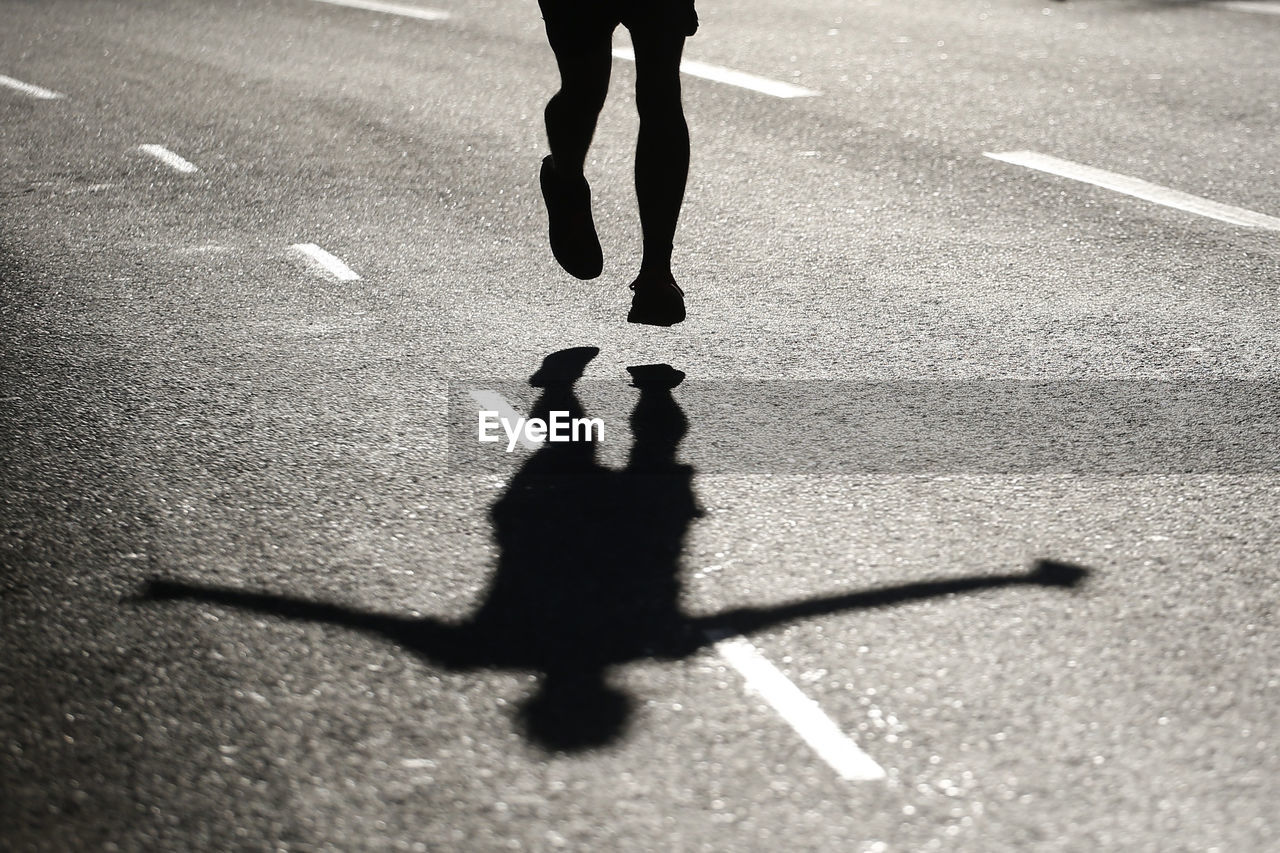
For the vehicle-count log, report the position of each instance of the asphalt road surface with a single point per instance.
(253, 600)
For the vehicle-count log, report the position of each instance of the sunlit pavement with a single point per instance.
(257, 256)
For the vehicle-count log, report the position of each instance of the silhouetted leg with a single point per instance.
(662, 149)
(584, 62)
(572, 112)
(662, 169)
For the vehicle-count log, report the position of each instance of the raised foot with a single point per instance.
(573, 237)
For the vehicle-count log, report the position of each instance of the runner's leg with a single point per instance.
(571, 114)
(582, 48)
(662, 149)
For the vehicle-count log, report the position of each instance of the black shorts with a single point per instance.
(574, 22)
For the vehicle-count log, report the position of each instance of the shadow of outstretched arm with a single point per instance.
(748, 620)
(438, 641)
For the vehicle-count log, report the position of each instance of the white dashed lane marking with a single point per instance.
(321, 260)
(741, 79)
(28, 89)
(692, 67)
(1139, 188)
(1257, 8)
(173, 161)
(392, 9)
(800, 712)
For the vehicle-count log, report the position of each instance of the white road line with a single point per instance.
(801, 713)
(392, 9)
(740, 79)
(417, 763)
(208, 249)
(325, 261)
(1139, 189)
(492, 401)
(1260, 8)
(28, 89)
(164, 155)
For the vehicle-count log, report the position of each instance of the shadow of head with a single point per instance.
(574, 711)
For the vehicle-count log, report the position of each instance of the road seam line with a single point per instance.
(1138, 188)
(803, 714)
(731, 77)
(173, 161)
(392, 9)
(29, 89)
(325, 261)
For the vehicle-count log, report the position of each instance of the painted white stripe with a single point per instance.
(28, 89)
(800, 712)
(209, 249)
(492, 401)
(1260, 8)
(325, 261)
(740, 79)
(392, 9)
(1139, 189)
(417, 763)
(164, 155)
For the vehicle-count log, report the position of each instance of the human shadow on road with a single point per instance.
(588, 574)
